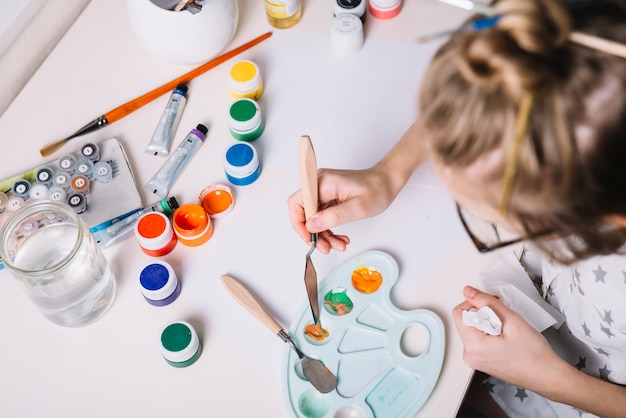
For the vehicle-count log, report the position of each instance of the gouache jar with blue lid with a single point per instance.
(180, 344)
(159, 283)
(245, 121)
(242, 165)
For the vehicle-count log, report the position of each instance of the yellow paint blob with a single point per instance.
(366, 279)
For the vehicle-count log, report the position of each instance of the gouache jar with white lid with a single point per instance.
(155, 234)
(245, 80)
(385, 9)
(159, 283)
(245, 121)
(180, 344)
(346, 33)
(242, 165)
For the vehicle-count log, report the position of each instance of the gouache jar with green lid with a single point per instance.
(180, 345)
(245, 121)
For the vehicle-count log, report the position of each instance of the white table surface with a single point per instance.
(353, 107)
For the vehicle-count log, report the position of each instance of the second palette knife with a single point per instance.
(308, 181)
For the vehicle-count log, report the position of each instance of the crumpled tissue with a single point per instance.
(485, 319)
(508, 280)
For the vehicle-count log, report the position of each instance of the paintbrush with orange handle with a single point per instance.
(129, 107)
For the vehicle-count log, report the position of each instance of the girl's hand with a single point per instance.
(520, 356)
(345, 196)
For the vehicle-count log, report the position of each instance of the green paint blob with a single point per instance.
(338, 302)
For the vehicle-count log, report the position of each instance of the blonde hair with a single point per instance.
(571, 166)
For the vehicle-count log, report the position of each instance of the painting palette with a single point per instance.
(377, 374)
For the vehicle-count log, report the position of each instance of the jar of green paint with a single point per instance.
(245, 120)
(180, 345)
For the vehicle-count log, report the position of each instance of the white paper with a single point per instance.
(508, 280)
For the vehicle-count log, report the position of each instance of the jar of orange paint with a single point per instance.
(192, 225)
(155, 234)
(217, 200)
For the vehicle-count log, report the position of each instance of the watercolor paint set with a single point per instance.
(363, 343)
(96, 181)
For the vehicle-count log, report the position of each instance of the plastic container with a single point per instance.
(91, 151)
(242, 166)
(283, 14)
(217, 200)
(159, 283)
(346, 33)
(192, 225)
(385, 9)
(44, 175)
(77, 202)
(155, 234)
(245, 80)
(245, 121)
(21, 188)
(180, 345)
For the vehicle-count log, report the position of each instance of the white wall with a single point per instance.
(29, 30)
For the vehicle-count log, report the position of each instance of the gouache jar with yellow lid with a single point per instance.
(245, 80)
(192, 225)
(245, 121)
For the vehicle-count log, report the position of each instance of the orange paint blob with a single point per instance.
(316, 332)
(366, 280)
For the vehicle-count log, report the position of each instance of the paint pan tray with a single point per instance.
(378, 375)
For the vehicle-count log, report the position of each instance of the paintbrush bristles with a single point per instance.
(50, 148)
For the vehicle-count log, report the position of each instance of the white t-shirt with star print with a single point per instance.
(591, 294)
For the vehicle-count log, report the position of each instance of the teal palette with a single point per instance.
(378, 373)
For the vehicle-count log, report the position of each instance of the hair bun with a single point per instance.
(518, 53)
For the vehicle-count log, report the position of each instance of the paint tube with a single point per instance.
(164, 133)
(125, 227)
(161, 182)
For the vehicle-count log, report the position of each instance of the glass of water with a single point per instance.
(51, 252)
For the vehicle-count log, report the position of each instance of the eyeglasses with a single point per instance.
(486, 236)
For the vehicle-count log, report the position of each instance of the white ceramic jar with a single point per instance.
(183, 37)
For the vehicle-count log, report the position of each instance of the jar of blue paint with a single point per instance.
(242, 165)
(159, 284)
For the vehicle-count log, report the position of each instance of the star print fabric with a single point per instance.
(591, 294)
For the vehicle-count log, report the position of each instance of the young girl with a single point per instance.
(527, 129)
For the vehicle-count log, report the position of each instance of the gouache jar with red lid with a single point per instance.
(155, 234)
(192, 225)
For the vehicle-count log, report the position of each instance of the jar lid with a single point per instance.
(158, 280)
(241, 160)
(244, 76)
(245, 115)
(217, 200)
(153, 231)
(179, 342)
(346, 33)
